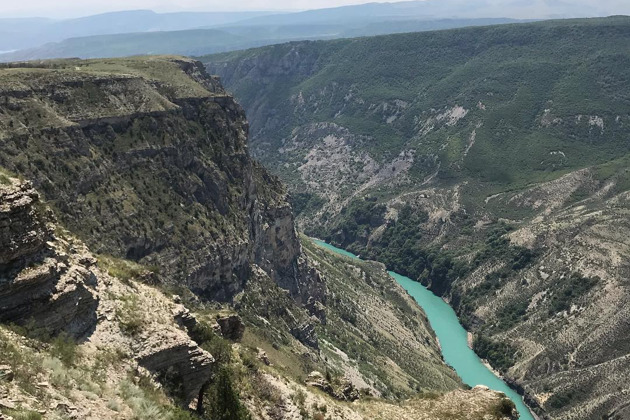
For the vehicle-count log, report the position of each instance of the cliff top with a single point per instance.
(183, 76)
(62, 93)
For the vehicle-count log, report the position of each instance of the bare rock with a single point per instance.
(347, 391)
(231, 327)
(23, 230)
(306, 334)
(7, 404)
(6, 373)
(40, 279)
(317, 380)
(175, 358)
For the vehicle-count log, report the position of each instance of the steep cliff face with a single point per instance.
(147, 159)
(51, 284)
(41, 284)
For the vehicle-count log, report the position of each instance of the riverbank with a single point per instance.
(453, 339)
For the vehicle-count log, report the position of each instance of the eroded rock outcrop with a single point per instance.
(51, 284)
(42, 283)
(175, 358)
(344, 389)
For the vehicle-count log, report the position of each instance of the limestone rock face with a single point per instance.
(173, 355)
(231, 327)
(148, 161)
(40, 283)
(6, 373)
(22, 230)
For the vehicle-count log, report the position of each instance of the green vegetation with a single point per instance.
(352, 285)
(357, 220)
(224, 402)
(142, 190)
(131, 317)
(123, 269)
(65, 349)
(505, 408)
(21, 414)
(567, 291)
(497, 246)
(564, 398)
(305, 202)
(533, 81)
(499, 354)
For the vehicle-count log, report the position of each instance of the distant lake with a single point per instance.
(452, 336)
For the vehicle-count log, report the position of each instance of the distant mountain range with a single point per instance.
(209, 41)
(146, 32)
(33, 32)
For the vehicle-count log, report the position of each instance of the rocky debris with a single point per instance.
(67, 410)
(184, 318)
(6, 373)
(306, 334)
(41, 279)
(345, 391)
(231, 327)
(7, 404)
(262, 356)
(317, 380)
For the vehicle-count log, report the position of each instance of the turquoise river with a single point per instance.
(453, 338)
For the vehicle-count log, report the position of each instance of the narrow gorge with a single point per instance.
(150, 269)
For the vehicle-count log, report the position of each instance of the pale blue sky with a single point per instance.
(73, 8)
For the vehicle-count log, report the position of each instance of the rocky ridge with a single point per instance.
(146, 159)
(43, 283)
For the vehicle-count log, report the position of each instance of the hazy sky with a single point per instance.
(73, 8)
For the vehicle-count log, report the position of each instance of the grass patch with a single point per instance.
(130, 315)
(23, 414)
(122, 269)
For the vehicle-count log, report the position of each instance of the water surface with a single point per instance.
(453, 338)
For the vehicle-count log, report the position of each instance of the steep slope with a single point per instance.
(130, 362)
(488, 163)
(145, 161)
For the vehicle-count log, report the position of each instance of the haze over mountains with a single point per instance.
(140, 32)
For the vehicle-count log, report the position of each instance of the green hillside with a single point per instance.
(490, 164)
(533, 89)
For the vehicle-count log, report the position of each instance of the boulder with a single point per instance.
(231, 327)
(317, 380)
(346, 391)
(306, 334)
